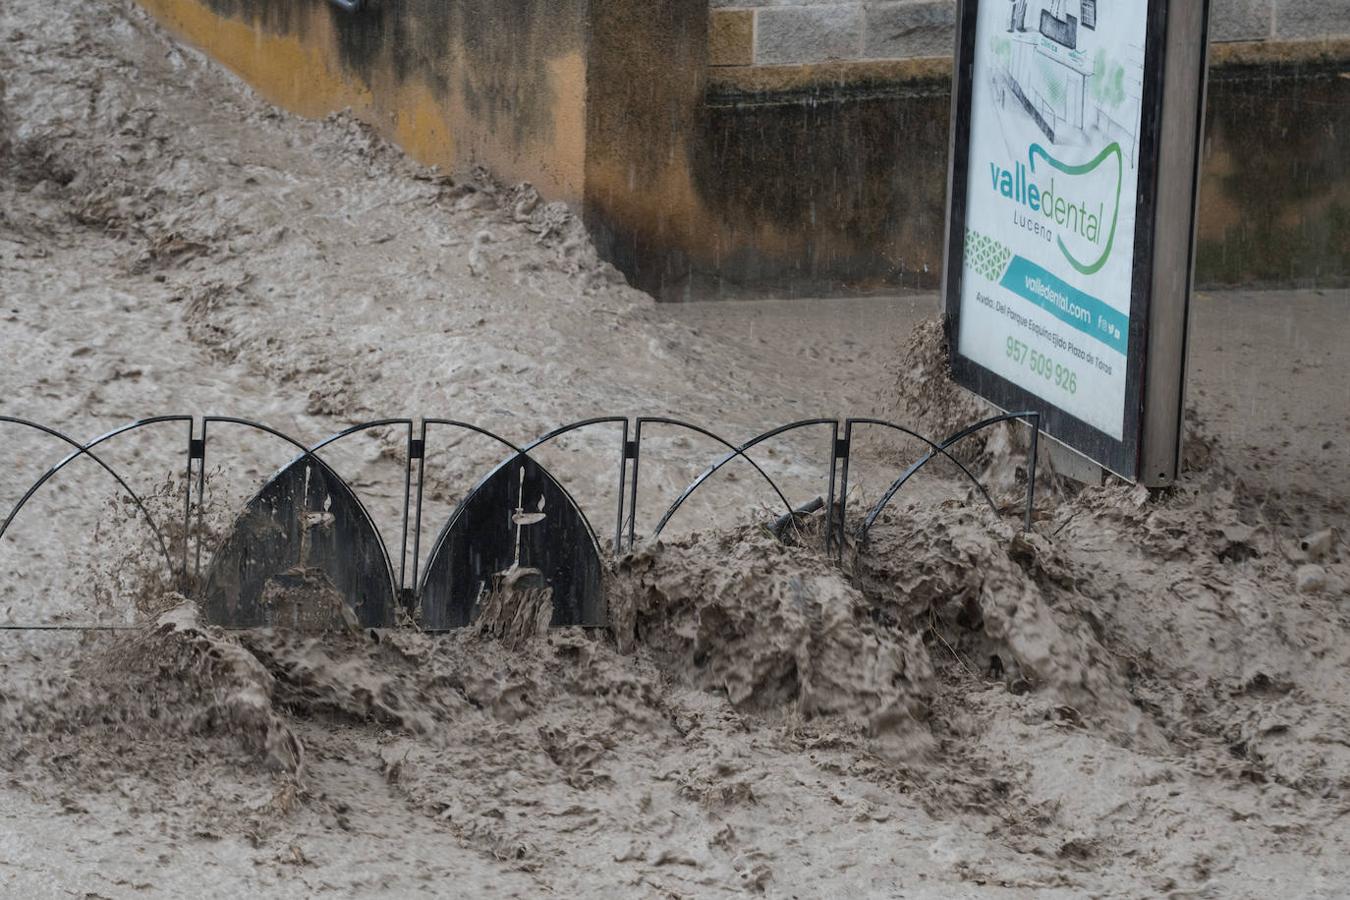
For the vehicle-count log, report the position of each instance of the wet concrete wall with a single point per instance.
(779, 182)
(845, 165)
(1275, 195)
(498, 83)
(821, 181)
(646, 80)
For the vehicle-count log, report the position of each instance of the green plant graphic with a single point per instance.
(1108, 81)
(1002, 50)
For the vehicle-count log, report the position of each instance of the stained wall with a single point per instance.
(706, 167)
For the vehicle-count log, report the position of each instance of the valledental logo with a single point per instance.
(1061, 204)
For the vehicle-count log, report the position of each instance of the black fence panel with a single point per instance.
(305, 552)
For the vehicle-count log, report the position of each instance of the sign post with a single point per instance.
(1076, 128)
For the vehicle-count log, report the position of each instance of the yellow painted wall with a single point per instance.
(497, 83)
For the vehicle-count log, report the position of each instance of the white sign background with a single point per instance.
(1051, 189)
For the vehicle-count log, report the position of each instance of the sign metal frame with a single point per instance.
(1170, 129)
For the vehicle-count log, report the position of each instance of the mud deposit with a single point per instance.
(1142, 696)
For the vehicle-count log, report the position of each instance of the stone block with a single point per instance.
(808, 34)
(762, 4)
(731, 37)
(909, 29)
(1240, 20)
(1303, 19)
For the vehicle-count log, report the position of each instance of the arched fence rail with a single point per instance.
(307, 533)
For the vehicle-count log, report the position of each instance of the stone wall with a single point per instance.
(821, 162)
(831, 177)
(794, 32)
(743, 178)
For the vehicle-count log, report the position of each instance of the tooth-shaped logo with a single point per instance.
(1079, 217)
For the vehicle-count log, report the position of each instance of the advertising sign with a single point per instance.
(1057, 146)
